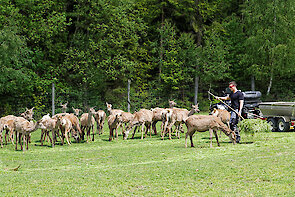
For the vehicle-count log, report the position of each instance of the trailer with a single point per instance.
(280, 115)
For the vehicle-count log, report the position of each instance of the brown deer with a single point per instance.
(76, 111)
(28, 114)
(203, 123)
(143, 117)
(8, 125)
(75, 124)
(113, 111)
(157, 116)
(51, 124)
(100, 117)
(176, 117)
(66, 127)
(23, 128)
(87, 123)
(223, 114)
(113, 122)
(127, 117)
(64, 107)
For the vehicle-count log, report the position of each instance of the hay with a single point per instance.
(252, 126)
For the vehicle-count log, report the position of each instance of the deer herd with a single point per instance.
(65, 125)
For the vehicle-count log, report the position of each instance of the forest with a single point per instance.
(168, 49)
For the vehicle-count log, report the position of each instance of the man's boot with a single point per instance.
(238, 137)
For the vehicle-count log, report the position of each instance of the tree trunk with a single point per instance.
(161, 46)
(270, 82)
(53, 97)
(252, 83)
(196, 89)
(128, 94)
(197, 21)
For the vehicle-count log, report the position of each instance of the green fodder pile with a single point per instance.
(252, 126)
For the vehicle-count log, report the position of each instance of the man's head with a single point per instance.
(232, 85)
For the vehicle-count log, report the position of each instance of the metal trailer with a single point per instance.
(281, 115)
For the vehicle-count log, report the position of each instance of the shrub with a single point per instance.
(252, 126)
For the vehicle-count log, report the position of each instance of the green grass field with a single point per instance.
(262, 165)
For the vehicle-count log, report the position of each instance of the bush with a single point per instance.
(252, 126)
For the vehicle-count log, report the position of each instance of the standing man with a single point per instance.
(237, 103)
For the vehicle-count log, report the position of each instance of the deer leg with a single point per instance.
(169, 130)
(87, 133)
(1, 140)
(20, 140)
(146, 130)
(92, 133)
(150, 129)
(41, 139)
(142, 130)
(62, 138)
(24, 139)
(154, 128)
(27, 141)
(15, 140)
(67, 136)
(191, 138)
(216, 136)
(82, 132)
(111, 134)
(5, 137)
(164, 130)
(116, 131)
(134, 132)
(49, 138)
(11, 136)
(210, 131)
(53, 138)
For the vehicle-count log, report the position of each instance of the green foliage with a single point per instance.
(90, 49)
(252, 126)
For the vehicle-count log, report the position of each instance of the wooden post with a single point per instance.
(128, 94)
(196, 89)
(53, 96)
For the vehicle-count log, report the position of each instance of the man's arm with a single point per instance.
(223, 98)
(241, 106)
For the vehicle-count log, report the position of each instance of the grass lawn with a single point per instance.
(262, 165)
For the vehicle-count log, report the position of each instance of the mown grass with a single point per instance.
(262, 165)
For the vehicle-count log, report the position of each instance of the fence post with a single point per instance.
(53, 96)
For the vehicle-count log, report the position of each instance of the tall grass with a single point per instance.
(262, 165)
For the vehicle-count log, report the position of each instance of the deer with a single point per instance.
(8, 125)
(203, 123)
(113, 121)
(87, 122)
(23, 128)
(157, 116)
(127, 117)
(66, 127)
(64, 107)
(28, 114)
(172, 104)
(76, 111)
(75, 125)
(223, 114)
(176, 116)
(143, 117)
(113, 111)
(100, 117)
(51, 124)
(158, 113)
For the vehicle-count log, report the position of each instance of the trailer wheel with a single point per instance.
(283, 126)
(273, 124)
